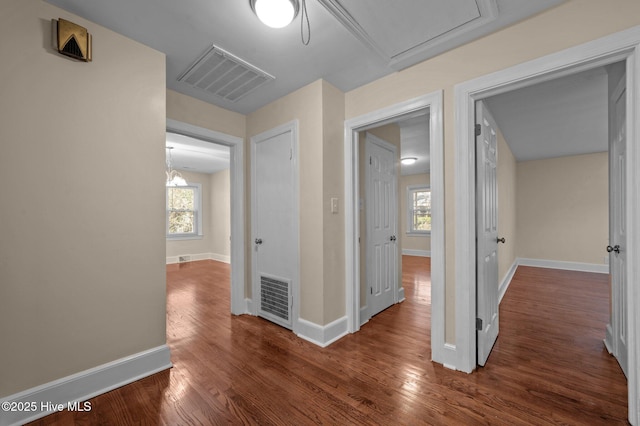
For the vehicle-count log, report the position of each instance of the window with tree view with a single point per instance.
(419, 209)
(182, 211)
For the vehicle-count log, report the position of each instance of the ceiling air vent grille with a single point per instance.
(220, 73)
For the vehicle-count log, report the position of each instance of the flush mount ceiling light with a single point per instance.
(280, 13)
(408, 160)
(275, 13)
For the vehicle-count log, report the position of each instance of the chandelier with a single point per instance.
(174, 178)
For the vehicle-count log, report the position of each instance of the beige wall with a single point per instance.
(221, 213)
(563, 208)
(216, 219)
(572, 23)
(411, 241)
(305, 105)
(82, 257)
(507, 224)
(193, 111)
(333, 187)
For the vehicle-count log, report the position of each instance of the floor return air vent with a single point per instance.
(275, 300)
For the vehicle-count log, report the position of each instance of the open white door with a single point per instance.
(487, 319)
(617, 336)
(381, 213)
(274, 221)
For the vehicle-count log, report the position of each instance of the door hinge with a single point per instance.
(290, 153)
(479, 324)
(371, 289)
(370, 161)
(478, 130)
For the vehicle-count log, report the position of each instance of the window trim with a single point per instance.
(409, 205)
(198, 232)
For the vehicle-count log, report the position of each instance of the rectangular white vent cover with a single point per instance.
(275, 300)
(223, 74)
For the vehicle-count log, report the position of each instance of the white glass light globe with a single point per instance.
(408, 160)
(275, 13)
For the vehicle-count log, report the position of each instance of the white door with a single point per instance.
(274, 223)
(381, 217)
(487, 322)
(617, 220)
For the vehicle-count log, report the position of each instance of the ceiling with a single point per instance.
(414, 142)
(198, 156)
(565, 116)
(353, 42)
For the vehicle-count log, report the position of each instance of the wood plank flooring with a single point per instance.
(549, 365)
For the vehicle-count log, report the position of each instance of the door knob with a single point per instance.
(258, 241)
(392, 238)
(615, 248)
(501, 240)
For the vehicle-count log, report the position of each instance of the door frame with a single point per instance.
(236, 148)
(371, 139)
(622, 46)
(292, 127)
(440, 351)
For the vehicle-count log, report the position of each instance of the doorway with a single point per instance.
(618, 47)
(236, 148)
(433, 104)
(274, 220)
(554, 142)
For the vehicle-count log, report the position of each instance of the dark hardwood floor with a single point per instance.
(549, 365)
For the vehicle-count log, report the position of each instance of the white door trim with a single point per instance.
(292, 127)
(440, 352)
(236, 145)
(613, 48)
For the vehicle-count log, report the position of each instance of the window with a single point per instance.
(184, 219)
(418, 209)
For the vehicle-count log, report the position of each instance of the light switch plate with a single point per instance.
(334, 205)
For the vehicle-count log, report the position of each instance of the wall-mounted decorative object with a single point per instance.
(71, 39)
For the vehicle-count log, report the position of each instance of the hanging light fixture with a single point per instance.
(174, 178)
(280, 13)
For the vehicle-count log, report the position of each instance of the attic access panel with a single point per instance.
(398, 36)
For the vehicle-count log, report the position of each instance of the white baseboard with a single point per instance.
(199, 256)
(220, 257)
(504, 285)
(85, 385)
(449, 356)
(569, 266)
(364, 315)
(419, 253)
(249, 306)
(320, 335)
(401, 294)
